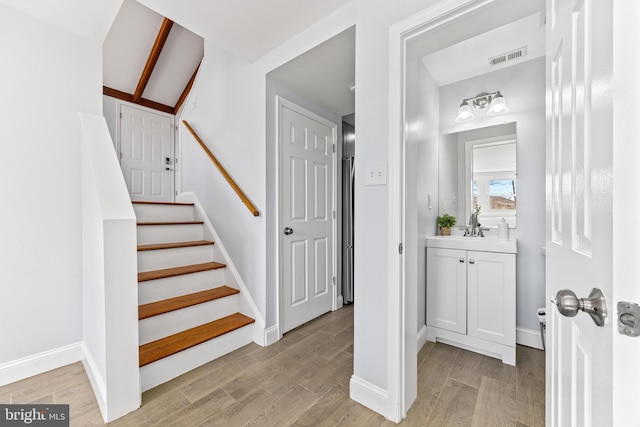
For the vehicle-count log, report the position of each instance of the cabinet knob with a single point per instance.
(461, 259)
(472, 261)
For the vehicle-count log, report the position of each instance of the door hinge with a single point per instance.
(334, 147)
(333, 280)
(400, 248)
(333, 214)
(120, 115)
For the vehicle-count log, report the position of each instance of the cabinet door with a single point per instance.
(447, 289)
(492, 296)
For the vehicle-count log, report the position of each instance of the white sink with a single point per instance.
(487, 244)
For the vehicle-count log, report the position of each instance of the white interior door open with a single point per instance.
(147, 154)
(579, 210)
(307, 188)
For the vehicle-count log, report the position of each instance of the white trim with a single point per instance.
(399, 34)
(271, 335)
(36, 364)
(284, 102)
(97, 381)
(477, 345)
(369, 395)
(395, 236)
(422, 337)
(529, 337)
(259, 325)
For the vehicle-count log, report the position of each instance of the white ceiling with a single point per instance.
(247, 28)
(251, 28)
(90, 18)
(127, 47)
(324, 74)
(469, 58)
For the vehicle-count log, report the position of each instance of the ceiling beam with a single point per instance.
(161, 38)
(114, 93)
(186, 90)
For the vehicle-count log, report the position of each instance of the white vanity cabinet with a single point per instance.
(471, 299)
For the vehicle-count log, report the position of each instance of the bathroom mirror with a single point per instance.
(478, 167)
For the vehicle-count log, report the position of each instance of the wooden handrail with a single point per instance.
(254, 211)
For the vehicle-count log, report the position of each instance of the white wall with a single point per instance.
(373, 20)
(428, 134)
(111, 112)
(228, 108)
(227, 114)
(523, 87)
(48, 76)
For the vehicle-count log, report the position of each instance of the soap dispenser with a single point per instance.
(503, 230)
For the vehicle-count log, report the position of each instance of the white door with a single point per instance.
(579, 209)
(306, 215)
(146, 154)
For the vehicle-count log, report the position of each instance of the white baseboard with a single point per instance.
(529, 337)
(95, 378)
(422, 337)
(271, 335)
(29, 366)
(369, 395)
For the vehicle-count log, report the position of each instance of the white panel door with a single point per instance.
(306, 213)
(579, 209)
(146, 154)
(447, 289)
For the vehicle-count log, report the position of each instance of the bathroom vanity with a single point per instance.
(471, 294)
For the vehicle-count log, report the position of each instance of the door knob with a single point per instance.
(287, 231)
(594, 305)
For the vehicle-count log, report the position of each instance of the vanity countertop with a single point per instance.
(486, 244)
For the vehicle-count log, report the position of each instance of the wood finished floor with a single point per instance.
(303, 380)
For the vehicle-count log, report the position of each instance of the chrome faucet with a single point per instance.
(473, 223)
(472, 229)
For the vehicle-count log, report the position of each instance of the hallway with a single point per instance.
(304, 380)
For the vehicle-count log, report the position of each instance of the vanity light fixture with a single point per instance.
(495, 101)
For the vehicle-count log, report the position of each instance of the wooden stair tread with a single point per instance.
(171, 223)
(178, 271)
(162, 203)
(183, 301)
(174, 245)
(172, 344)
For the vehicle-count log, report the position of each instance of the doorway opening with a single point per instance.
(421, 110)
(321, 81)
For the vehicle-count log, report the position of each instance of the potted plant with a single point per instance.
(445, 222)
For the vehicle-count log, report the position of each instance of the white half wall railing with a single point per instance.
(109, 275)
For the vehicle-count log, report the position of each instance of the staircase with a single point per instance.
(189, 303)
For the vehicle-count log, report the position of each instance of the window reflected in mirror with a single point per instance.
(493, 185)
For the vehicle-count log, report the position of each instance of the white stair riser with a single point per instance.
(169, 287)
(150, 234)
(177, 364)
(156, 327)
(175, 257)
(158, 213)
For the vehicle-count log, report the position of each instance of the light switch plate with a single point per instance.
(376, 174)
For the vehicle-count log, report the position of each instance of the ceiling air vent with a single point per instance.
(509, 56)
